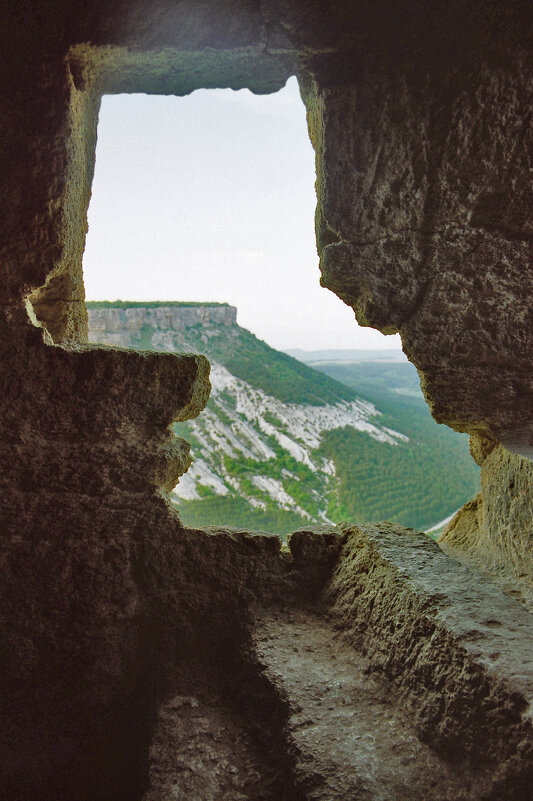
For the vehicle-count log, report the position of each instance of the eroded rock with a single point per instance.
(455, 646)
(495, 530)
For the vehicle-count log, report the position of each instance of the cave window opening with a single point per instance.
(201, 238)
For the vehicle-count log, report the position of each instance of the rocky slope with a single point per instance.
(279, 441)
(258, 446)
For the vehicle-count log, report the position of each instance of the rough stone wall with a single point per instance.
(495, 529)
(122, 326)
(424, 220)
(86, 457)
(418, 113)
(457, 651)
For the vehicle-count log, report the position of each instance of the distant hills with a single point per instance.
(281, 442)
(348, 356)
(435, 469)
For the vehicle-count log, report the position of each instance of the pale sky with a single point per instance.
(211, 198)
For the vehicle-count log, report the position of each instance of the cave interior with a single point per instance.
(144, 660)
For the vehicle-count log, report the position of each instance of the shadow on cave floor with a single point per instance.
(296, 716)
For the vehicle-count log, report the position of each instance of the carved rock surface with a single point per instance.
(424, 217)
(457, 649)
(396, 688)
(495, 530)
(348, 737)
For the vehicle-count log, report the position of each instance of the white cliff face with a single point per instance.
(298, 427)
(161, 327)
(244, 423)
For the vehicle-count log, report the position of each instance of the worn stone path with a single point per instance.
(342, 737)
(201, 752)
(350, 740)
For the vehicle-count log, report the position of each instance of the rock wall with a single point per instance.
(457, 652)
(495, 530)
(125, 327)
(430, 200)
(86, 459)
(419, 116)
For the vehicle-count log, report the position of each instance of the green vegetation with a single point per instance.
(273, 420)
(204, 491)
(298, 480)
(228, 399)
(376, 380)
(232, 511)
(416, 483)
(277, 374)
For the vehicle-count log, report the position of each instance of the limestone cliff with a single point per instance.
(127, 327)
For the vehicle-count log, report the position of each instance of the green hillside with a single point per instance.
(415, 485)
(276, 373)
(235, 511)
(263, 453)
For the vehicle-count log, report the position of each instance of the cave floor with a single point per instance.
(340, 733)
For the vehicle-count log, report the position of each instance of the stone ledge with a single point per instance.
(458, 650)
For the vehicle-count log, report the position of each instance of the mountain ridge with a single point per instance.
(281, 443)
(196, 327)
